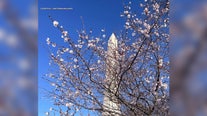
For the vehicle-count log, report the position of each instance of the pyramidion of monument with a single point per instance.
(113, 41)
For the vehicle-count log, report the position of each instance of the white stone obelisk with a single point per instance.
(110, 102)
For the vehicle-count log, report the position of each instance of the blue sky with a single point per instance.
(97, 15)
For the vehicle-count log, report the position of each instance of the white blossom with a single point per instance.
(75, 60)
(91, 68)
(51, 75)
(164, 85)
(157, 6)
(97, 39)
(68, 104)
(147, 80)
(157, 34)
(146, 10)
(86, 37)
(133, 34)
(165, 25)
(102, 30)
(90, 44)
(55, 23)
(66, 39)
(65, 49)
(77, 92)
(71, 51)
(142, 31)
(160, 62)
(51, 108)
(77, 109)
(80, 46)
(53, 84)
(48, 40)
(128, 16)
(99, 61)
(147, 26)
(65, 33)
(127, 23)
(83, 31)
(158, 100)
(75, 66)
(61, 59)
(104, 36)
(146, 35)
(47, 113)
(53, 44)
(88, 92)
(126, 12)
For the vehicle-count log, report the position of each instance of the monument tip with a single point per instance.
(112, 35)
(113, 39)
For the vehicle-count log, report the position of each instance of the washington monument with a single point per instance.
(110, 103)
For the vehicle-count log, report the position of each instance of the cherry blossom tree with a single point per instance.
(142, 72)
